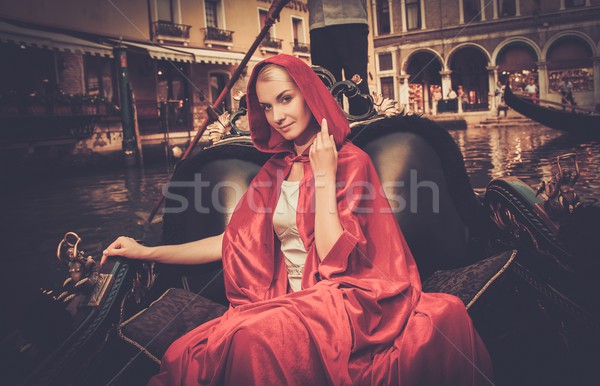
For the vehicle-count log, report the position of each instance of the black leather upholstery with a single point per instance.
(411, 174)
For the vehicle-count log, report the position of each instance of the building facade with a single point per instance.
(430, 52)
(64, 59)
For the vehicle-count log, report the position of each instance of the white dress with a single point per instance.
(286, 229)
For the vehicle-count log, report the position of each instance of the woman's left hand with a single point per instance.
(323, 153)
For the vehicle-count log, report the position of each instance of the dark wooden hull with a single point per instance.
(575, 123)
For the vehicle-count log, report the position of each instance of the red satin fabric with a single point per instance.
(361, 317)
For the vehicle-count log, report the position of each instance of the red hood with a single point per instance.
(317, 96)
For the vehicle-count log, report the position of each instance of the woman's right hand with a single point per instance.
(323, 154)
(126, 247)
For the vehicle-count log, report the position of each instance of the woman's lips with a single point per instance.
(286, 127)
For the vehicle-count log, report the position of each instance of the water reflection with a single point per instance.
(529, 154)
(99, 207)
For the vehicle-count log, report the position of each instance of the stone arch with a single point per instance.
(423, 67)
(519, 72)
(570, 54)
(570, 33)
(470, 76)
(464, 45)
(516, 40)
(417, 51)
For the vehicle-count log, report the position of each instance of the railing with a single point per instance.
(221, 35)
(301, 47)
(553, 103)
(63, 106)
(166, 28)
(271, 43)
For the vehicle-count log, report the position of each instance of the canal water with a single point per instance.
(100, 206)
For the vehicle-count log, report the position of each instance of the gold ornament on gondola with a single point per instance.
(561, 198)
(83, 271)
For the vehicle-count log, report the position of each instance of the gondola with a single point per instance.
(569, 119)
(523, 286)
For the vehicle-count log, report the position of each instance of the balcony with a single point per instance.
(168, 31)
(271, 45)
(217, 37)
(301, 49)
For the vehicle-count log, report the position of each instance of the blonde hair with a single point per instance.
(272, 72)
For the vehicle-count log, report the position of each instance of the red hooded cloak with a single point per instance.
(360, 318)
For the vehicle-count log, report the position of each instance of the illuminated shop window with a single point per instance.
(581, 78)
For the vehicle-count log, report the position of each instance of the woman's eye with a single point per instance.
(266, 107)
(286, 99)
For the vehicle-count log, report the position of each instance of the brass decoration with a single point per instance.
(385, 106)
(559, 192)
(230, 124)
(104, 281)
(506, 221)
(356, 79)
(509, 222)
(84, 278)
(218, 129)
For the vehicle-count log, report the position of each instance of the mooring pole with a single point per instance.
(129, 138)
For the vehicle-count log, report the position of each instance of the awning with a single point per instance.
(158, 52)
(10, 33)
(202, 55)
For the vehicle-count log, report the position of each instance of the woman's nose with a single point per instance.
(278, 114)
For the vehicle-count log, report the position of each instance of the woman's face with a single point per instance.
(285, 108)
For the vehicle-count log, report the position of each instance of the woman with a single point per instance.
(322, 286)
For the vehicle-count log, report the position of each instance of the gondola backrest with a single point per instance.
(419, 165)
